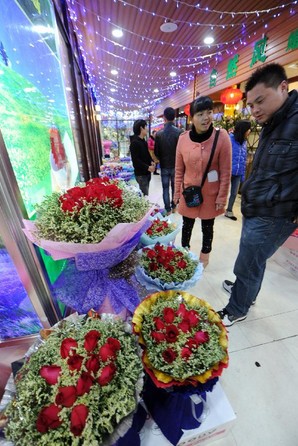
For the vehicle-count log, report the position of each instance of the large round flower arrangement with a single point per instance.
(77, 387)
(184, 341)
(86, 213)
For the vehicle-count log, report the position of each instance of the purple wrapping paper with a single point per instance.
(85, 282)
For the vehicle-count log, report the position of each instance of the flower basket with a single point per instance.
(184, 352)
(162, 230)
(80, 387)
(167, 268)
(96, 226)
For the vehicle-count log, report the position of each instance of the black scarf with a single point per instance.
(200, 137)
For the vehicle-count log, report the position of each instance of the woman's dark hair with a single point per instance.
(200, 104)
(241, 128)
(137, 126)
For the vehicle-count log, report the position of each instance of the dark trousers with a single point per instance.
(207, 231)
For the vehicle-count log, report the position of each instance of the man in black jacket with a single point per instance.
(141, 159)
(269, 201)
(165, 150)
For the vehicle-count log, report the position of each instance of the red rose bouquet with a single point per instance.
(161, 230)
(183, 338)
(79, 387)
(184, 352)
(96, 226)
(165, 267)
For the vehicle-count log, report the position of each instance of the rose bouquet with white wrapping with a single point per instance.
(96, 226)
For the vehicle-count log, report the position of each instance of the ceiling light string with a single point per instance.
(208, 10)
(165, 18)
(183, 47)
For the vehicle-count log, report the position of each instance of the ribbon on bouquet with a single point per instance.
(90, 278)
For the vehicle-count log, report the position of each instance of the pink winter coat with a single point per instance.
(191, 161)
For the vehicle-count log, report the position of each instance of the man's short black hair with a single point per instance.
(270, 75)
(137, 126)
(200, 104)
(169, 114)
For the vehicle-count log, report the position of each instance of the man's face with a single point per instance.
(265, 101)
(143, 132)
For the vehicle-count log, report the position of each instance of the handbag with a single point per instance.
(193, 194)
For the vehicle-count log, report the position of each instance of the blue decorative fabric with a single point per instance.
(132, 437)
(85, 283)
(175, 409)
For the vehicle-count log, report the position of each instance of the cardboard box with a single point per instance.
(216, 425)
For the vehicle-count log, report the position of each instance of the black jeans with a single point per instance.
(207, 230)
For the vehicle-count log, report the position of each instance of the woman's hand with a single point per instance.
(219, 206)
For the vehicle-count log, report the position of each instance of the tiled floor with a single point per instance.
(262, 378)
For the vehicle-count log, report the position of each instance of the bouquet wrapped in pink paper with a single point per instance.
(96, 226)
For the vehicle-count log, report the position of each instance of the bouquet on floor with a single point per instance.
(96, 225)
(165, 267)
(80, 387)
(184, 352)
(161, 230)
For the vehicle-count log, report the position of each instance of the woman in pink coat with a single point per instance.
(193, 152)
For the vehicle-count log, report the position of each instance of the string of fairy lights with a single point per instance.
(145, 91)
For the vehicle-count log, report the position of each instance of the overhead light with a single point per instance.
(117, 32)
(208, 40)
(114, 72)
(156, 90)
(113, 90)
(168, 27)
(173, 73)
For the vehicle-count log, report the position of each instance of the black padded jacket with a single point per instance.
(165, 145)
(272, 188)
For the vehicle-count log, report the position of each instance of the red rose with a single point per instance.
(114, 344)
(77, 193)
(169, 355)
(91, 339)
(106, 352)
(93, 364)
(193, 318)
(159, 324)
(48, 419)
(191, 344)
(186, 353)
(168, 315)
(78, 419)
(50, 373)
(182, 264)
(68, 205)
(84, 384)
(158, 337)
(66, 396)
(172, 333)
(75, 362)
(171, 269)
(67, 345)
(151, 254)
(153, 266)
(107, 374)
(201, 337)
(182, 310)
(184, 326)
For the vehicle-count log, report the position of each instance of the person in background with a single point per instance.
(151, 143)
(193, 153)
(141, 159)
(269, 197)
(165, 150)
(239, 155)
